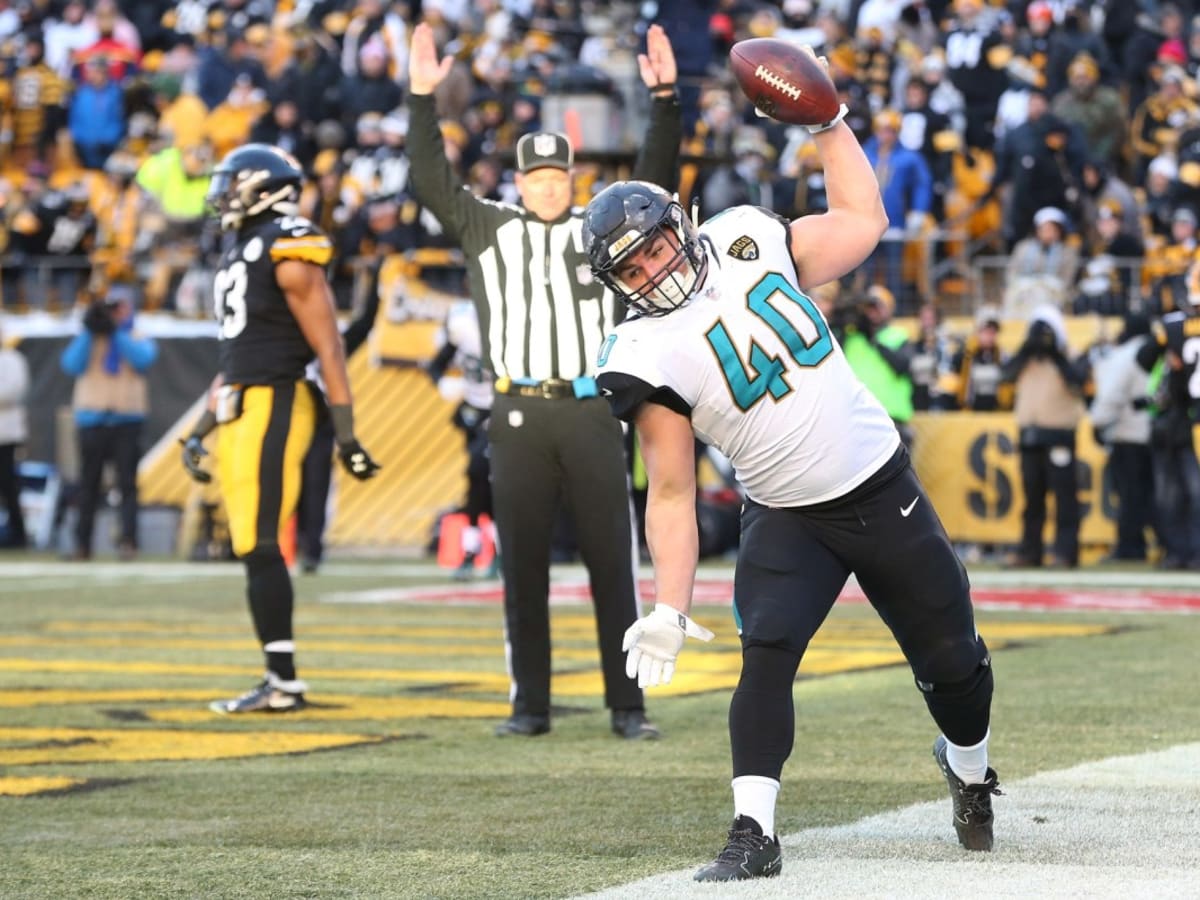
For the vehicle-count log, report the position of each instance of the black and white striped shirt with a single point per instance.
(542, 313)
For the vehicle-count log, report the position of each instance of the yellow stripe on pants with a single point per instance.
(240, 447)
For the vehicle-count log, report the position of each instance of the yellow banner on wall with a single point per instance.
(970, 466)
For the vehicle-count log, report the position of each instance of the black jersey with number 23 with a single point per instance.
(260, 340)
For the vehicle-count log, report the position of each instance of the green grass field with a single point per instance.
(115, 781)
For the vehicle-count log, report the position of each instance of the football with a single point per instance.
(784, 81)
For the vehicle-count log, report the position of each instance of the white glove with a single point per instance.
(653, 642)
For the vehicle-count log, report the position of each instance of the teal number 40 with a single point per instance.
(750, 381)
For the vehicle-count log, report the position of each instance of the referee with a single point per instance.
(543, 319)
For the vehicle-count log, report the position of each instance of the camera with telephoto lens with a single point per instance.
(99, 318)
(1042, 341)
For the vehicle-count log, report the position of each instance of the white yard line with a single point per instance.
(402, 567)
(1125, 827)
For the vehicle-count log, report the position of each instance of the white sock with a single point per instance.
(472, 540)
(754, 796)
(969, 763)
(294, 686)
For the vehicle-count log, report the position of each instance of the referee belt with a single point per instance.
(550, 389)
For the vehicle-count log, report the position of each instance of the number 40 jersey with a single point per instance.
(753, 363)
(261, 341)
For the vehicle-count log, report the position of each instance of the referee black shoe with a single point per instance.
(523, 725)
(747, 854)
(972, 802)
(633, 725)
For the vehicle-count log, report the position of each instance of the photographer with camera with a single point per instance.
(110, 402)
(1048, 404)
(881, 355)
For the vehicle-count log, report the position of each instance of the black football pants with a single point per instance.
(792, 565)
(99, 444)
(545, 452)
(1047, 469)
(10, 495)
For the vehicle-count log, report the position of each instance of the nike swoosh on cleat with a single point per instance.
(905, 510)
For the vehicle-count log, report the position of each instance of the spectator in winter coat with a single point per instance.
(1096, 108)
(220, 66)
(97, 115)
(907, 189)
(1042, 267)
(1120, 414)
(372, 89)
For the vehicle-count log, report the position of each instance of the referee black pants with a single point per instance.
(545, 451)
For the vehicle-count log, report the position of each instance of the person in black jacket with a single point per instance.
(543, 318)
(1172, 427)
(317, 473)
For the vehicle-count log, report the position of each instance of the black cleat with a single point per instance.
(271, 695)
(972, 802)
(523, 725)
(747, 854)
(633, 725)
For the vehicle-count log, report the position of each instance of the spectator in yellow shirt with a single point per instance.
(228, 125)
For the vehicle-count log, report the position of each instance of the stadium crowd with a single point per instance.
(976, 115)
(1030, 153)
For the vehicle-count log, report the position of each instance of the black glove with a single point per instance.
(98, 319)
(356, 460)
(193, 456)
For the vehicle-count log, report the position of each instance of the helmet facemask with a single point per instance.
(675, 275)
(238, 196)
(253, 180)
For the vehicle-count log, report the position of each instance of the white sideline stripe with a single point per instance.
(71, 573)
(1120, 828)
(377, 567)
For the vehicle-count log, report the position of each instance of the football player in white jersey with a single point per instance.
(723, 343)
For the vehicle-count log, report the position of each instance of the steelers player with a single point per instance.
(275, 312)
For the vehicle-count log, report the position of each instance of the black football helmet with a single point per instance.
(252, 180)
(624, 216)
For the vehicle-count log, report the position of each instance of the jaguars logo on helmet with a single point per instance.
(619, 220)
(252, 180)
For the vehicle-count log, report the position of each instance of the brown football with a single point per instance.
(784, 81)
